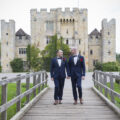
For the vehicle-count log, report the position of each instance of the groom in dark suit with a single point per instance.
(77, 69)
(58, 75)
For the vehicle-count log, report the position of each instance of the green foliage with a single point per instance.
(50, 51)
(98, 66)
(0, 68)
(33, 58)
(17, 65)
(109, 66)
(118, 57)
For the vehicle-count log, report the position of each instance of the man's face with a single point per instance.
(60, 53)
(73, 51)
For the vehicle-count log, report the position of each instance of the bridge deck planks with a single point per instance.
(93, 108)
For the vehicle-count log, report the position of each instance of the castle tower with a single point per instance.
(71, 25)
(108, 40)
(7, 44)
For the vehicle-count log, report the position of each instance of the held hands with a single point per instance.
(83, 77)
(68, 77)
(52, 79)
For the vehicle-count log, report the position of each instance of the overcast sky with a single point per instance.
(19, 10)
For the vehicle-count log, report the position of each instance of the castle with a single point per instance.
(71, 25)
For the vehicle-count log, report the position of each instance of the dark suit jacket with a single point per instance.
(56, 71)
(79, 68)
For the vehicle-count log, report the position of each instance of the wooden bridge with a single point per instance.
(100, 101)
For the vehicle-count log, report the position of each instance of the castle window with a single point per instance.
(20, 37)
(49, 26)
(63, 20)
(7, 43)
(83, 19)
(47, 42)
(35, 19)
(109, 42)
(60, 20)
(96, 37)
(67, 31)
(67, 42)
(79, 41)
(73, 20)
(6, 33)
(108, 33)
(109, 52)
(80, 52)
(94, 62)
(91, 52)
(47, 39)
(7, 65)
(22, 50)
(67, 20)
(70, 20)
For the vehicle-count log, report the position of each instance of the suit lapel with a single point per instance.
(57, 61)
(78, 58)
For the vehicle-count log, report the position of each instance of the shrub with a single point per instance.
(17, 65)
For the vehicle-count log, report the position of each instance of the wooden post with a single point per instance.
(96, 78)
(112, 87)
(18, 92)
(105, 83)
(42, 80)
(27, 88)
(34, 83)
(39, 81)
(4, 100)
(100, 80)
(46, 77)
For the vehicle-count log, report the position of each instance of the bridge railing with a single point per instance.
(39, 81)
(105, 83)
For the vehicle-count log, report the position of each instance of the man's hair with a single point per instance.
(59, 51)
(73, 48)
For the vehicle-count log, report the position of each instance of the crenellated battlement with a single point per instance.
(59, 10)
(7, 22)
(106, 23)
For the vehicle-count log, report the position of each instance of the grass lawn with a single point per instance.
(117, 89)
(11, 94)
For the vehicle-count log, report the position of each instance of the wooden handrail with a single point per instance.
(100, 82)
(39, 80)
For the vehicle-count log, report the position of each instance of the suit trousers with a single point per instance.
(59, 86)
(76, 83)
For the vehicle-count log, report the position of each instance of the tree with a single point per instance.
(17, 65)
(33, 58)
(50, 51)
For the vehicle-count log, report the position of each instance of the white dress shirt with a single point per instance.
(59, 62)
(75, 59)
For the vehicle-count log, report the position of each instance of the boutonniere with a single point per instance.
(81, 59)
(64, 59)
